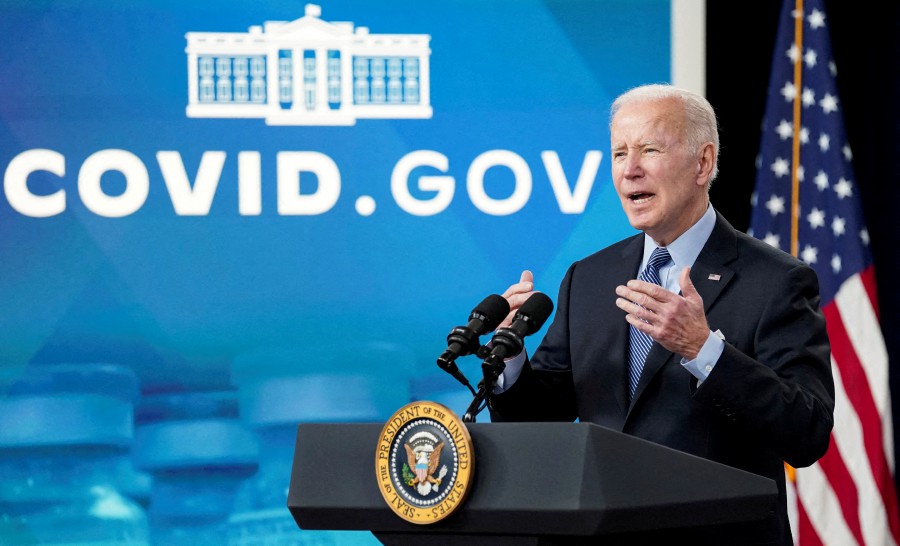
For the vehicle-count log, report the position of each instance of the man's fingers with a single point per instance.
(634, 309)
(654, 291)
(646, 295)
(517, 294)
(516, 300)
(641, 325)
(525, 285)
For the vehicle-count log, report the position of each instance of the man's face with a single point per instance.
(661, 183)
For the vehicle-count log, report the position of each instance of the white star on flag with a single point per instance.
(809, 254)
(837, 226)
(775, 205)
(822, 181)
(781, 167)
(816, 218)
(843, 188)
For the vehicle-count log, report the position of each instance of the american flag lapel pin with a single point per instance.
(714, 276)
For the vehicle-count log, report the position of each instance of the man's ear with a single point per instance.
(705, 162)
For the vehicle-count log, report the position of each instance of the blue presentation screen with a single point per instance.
(188, 186)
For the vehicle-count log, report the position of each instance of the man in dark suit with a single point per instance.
(738, 369)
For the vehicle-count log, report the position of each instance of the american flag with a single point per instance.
(807, 202)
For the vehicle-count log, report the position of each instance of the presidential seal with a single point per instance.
(424, 462)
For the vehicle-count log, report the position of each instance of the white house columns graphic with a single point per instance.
(308, 72)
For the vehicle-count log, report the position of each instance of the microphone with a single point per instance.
(463, 340)
(509, 342)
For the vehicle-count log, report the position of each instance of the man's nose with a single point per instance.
(632, 165)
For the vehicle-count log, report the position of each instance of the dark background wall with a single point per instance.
(866, 46)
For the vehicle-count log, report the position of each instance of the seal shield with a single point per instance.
(424, 462)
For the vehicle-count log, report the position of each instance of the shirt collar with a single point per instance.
(685, 249)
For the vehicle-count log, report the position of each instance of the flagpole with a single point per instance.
(795, 156)
(795, 159)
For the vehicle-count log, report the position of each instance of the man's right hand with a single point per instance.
(516, 296)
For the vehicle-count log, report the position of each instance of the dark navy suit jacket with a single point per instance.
(769, 399)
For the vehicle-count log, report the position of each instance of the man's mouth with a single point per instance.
(639, 198)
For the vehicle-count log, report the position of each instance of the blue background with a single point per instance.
(244, 326)
(178, 298)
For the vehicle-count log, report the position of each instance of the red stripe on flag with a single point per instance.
(858, 392)
(835, 469)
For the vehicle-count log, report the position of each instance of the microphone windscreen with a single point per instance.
(493, 309)
(537, 308)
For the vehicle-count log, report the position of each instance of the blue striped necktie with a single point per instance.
(640, 342)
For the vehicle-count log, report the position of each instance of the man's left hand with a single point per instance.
(677, 321)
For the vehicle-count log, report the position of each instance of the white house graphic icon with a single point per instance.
(308, 72)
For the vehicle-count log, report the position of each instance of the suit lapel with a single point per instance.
(710, 276)
(710, 273)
